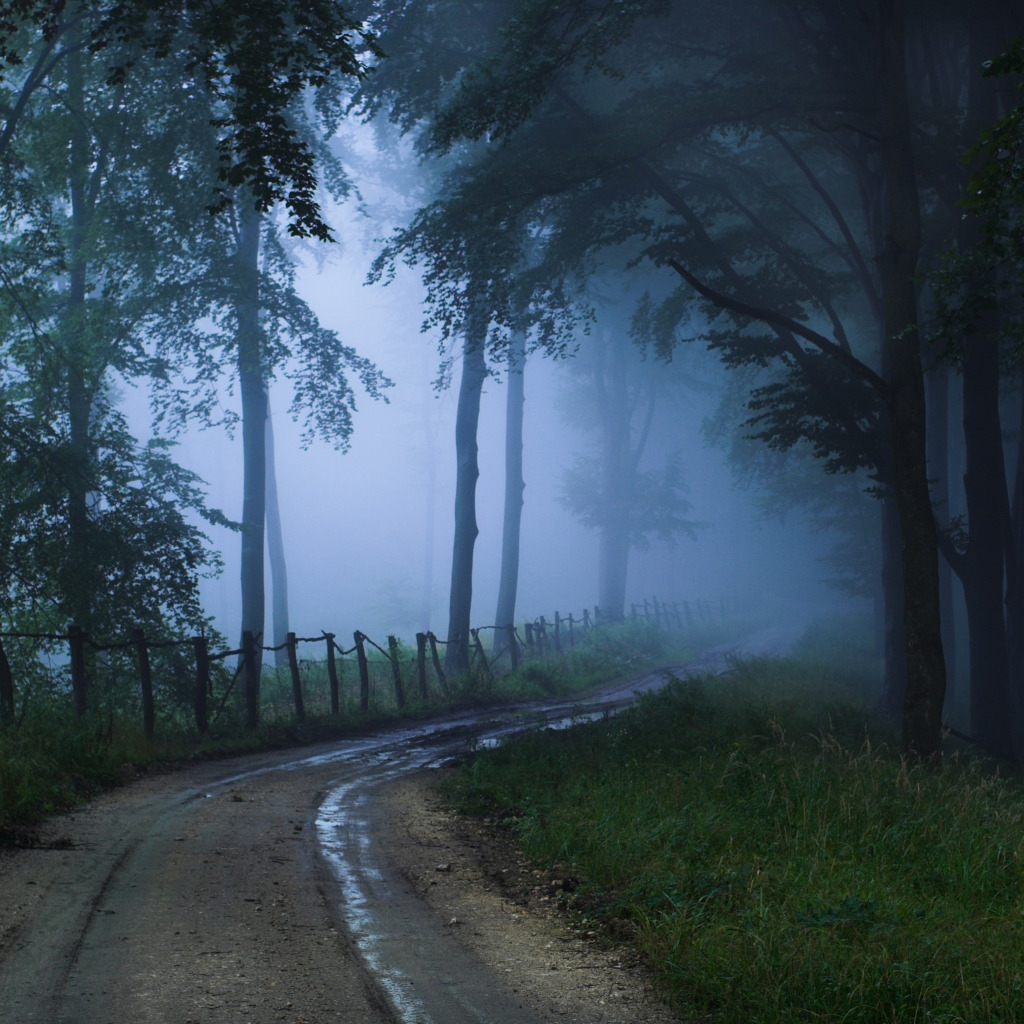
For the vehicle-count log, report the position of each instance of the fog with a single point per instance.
(356, 523)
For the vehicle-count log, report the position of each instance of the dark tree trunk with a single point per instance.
(895, 646)
(926, 669)
(938, 471)
(79, 582)
(474, 372)
(514, 487)
(275, 551)
(254, 422)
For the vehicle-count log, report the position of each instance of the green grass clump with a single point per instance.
(777, 860)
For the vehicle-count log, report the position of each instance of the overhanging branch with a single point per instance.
(768, 316)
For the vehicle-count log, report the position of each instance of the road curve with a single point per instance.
(252, 891)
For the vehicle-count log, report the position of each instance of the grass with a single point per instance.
(49, 760)
(776, 860)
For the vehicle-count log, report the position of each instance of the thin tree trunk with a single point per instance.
(616, 483)
(514, 487)
(474, 372)
(938, 470)
(78, 585)
(275, 551)
(254, 423)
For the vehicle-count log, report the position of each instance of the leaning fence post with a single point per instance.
(396, 671)
(513, 644)
(586, 619)
(252, 692)
(146, 682)
(202, 681)
(432, 640)
(332, 674)
(364, 672)
(76, 641)
(529, 636)
(6, 688)
(479, 648)
(421, 663)
(293, 667)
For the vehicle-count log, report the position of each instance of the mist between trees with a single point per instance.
(762, 257)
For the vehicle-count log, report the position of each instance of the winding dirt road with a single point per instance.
(298, 886)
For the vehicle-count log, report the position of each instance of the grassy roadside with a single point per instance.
(772, 856)
(49, 760)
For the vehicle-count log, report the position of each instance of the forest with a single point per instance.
(805, 213)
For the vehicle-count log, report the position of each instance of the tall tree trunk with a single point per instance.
(254, 421)
(514, 487)
(275, 551)
(474, 372)
(79, 583)
(926, 669)
(938, 471)
(610, 379)
(895, 645)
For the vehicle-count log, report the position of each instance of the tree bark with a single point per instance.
(254, 423)
(275, 551)
(926, 670)
(514, 486)
(474, 372)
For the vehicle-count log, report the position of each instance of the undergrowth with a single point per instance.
(50, 760)
(775, 857)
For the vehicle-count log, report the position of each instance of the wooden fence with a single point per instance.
(540, 638)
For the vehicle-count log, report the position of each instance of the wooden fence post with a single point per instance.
(586, 619)
(293, 667)
(558, 633)
(145, 681)
(529, 636)
(396, 671)
(513, 644)
(332, 675)
(572, 636)
(421, 663)
(250, 672)
(364, 672)
(202, 654)
(6, 688)
(432, 640)
(541, 634)
(76, 641)
(479, 648)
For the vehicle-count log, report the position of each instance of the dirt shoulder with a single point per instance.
(511, 914)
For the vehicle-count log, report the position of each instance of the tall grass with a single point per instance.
(776, 859)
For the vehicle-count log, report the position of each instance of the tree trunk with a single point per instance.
(474, 372)
(926, 670)
(616, 472)
(254, 423)
(514, 487)
(79, 582)
(938, 471)
(275, 551)
(895, 645)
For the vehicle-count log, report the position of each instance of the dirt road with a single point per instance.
(294, 887)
